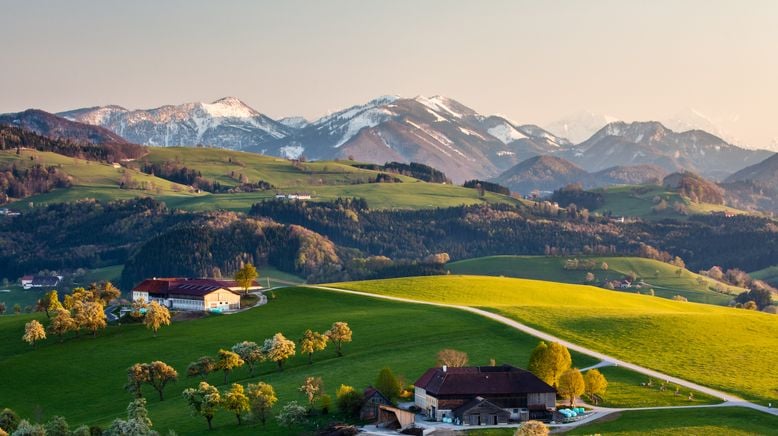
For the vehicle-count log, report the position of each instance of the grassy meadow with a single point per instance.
(725, 348)
(734, 421)
(325, 180)
(83, 378)
(659, 276)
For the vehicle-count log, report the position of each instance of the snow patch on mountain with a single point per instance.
(365, 119)
(291, 151)
(294, 122)
(438, 104)
(506, 133)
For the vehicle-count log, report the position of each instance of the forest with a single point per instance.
(345, 240)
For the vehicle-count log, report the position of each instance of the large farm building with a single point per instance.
(191, 294)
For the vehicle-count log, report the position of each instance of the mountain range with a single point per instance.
(436, 131)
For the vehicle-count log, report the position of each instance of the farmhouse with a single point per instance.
(371, 402)
(484, 395)
(191, 294)
(29, 282)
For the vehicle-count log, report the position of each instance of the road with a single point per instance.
(729, 399)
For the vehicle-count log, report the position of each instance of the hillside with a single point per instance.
(659, 276)
(52, 126)
(90, 179)
(689, 340)
(543, 173)
(57, 374)
(654, 202)
(547, 173)
(230, 169)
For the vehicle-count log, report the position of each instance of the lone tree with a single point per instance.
(160, 374)
(157, 315)
(312, 387)
(452, 358)
(532, 428)
(339, 333)
(246, 276)
(137, 375)
(387, 384)
(311, 342)
(571, 385)
(228, 361)
(62, 323)
(33, 332)
(250, 352)
(203, 401)
(236, 401)
(262, 398)
(278, 349)
(596, 385)
(201, 367)
(548, 362)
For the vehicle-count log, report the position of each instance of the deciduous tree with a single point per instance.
(236, 401)
(90, 316)
(137, 375)
(137, 423)
(62, 323)
(452, 358)
(278, 349)
(160, 374)
(227, 361)
(250, 352)
(291, 414)
(387, 384)
(203, 401)
(596, 384)
(339, 333)
(157, 316)
(312, 342)
(312, 387)
(571, 385)
(262, 398)
(348, 400)
(33, 332)
(201, 367)
(246, 276)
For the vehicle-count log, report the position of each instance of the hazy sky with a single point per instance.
(532, 61)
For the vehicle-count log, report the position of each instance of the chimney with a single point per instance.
(445, 368)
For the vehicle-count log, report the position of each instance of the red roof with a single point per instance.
(183, 286)
(481, 380)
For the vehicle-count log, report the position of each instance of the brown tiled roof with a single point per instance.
(481, 380)
(183, 286)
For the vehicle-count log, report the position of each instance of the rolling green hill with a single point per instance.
(60, 378)
(729, 349)
(659, 276)
(92, 179)
(639, 201)
(323, 180)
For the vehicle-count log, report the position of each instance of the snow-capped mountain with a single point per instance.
(620, 144)
(52, 126)
(294, 122)
(437, 131)
(580, 126)
(227, 122)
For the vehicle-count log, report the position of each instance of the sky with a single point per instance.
(533, 61)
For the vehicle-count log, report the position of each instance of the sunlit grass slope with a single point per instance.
(731, 349)
(659, 276)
